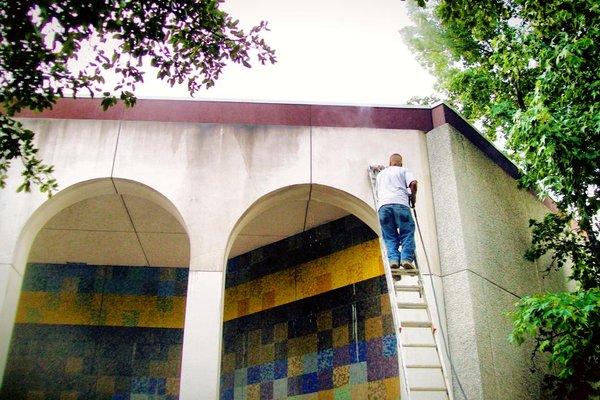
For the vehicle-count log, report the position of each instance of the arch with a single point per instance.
(316, 192)
(79, 192)
(308, 294)
(67, 197)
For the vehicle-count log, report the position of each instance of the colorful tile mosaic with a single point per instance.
(92, 362)
(100, 332)
(342, 268)
(316, 325)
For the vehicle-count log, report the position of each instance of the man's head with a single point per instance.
(395, 160)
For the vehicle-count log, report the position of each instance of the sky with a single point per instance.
(328, 52)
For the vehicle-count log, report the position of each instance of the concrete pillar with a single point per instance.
(10, 287)
(201, 357)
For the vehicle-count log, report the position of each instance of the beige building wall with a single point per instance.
(215, 178)
(482, 224)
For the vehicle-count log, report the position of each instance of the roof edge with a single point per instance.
(254, 113)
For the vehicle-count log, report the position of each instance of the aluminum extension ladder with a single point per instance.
(422, 373)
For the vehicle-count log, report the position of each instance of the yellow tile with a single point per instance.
(345, 267)
(302, 345)
(253, 392)
(69, 395)
(341, 375)
(74, 365)
(323, 283)
(324, 320)
(373, 328)
(58, 308)
(360, 391)
(377, 391)
(294, 366)
(228, 362)
(392, 388)
(340, 336)
(105, 384)
(172, 386)
(280, 332)
(325, 395)
(267, 353)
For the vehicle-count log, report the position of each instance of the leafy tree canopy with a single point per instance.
(51, 49)
(527, 71)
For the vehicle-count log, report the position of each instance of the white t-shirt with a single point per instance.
(392, 186)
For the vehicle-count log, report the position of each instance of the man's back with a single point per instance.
(392, 186)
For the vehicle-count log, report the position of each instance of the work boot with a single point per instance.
(406, 264)
(394, 265)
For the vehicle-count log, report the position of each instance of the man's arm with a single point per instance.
(413, 193)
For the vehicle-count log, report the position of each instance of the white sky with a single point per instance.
(328, 51)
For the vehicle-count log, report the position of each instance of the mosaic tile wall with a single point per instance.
(97, 332)
(309, 318)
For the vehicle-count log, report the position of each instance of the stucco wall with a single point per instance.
(482, 226)
(209, 175)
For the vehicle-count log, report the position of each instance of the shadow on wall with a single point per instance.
(310, 315)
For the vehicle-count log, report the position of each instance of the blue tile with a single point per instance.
(280, 368)
(309, 363)
(389, 346)
(358, 351)
(341, 356)
(267, 372)
(166, 288)
(227, 380)
(227, 394)
(310, 383)
(253, 374)
(325, 360)
(325, 379)
(294, 385)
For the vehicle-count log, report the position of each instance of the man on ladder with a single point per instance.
(396, 193)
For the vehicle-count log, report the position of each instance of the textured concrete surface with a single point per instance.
(11, 287)
(201, 354)
(213, 180)
(208, 181)
(482, 226)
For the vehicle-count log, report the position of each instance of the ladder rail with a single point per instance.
(395, 310)
(404, 388)
(437, 332)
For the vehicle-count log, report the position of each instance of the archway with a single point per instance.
(306, 310)
(102, 301)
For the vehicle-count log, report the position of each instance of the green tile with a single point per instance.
(280, 388)
(358, 373)
(342, 393)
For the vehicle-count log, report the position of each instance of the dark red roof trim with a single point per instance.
(422, 119)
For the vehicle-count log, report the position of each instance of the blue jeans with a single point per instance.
(398, 229)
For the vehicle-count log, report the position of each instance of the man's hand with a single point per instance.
(412, 200)
(412, 197)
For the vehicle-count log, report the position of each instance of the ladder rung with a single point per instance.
(415, 324)
(412, 306)
(407, 288)
(431, 345)
(428, 366)
(402, 271)
(427, 389)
